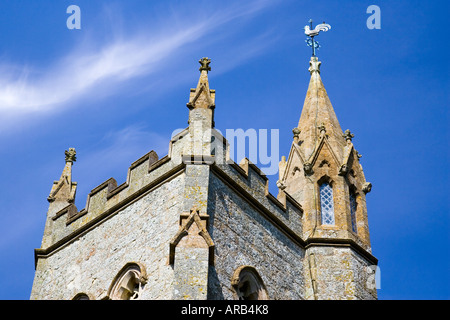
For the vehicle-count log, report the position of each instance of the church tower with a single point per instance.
(324, 175)
(196, 225)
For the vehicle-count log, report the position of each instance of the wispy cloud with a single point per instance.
(105, 64)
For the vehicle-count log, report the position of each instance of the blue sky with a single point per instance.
(118, 87)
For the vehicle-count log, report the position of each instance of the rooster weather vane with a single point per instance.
(311, 33)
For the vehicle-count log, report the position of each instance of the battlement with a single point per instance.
(148, 172)
(104, 200)
(247, 180)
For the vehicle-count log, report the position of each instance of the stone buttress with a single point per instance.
(192, 249)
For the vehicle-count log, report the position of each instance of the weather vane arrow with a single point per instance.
(311, 33)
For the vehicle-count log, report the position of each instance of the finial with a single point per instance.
(205, 64)
(311, 33)
(194, 209)
(348, 136)
(314, 65)
(296, 132)
(70, 155)
(322, 128)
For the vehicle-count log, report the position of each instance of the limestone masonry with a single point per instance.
(196, 225)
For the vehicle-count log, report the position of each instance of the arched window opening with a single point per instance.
(326, 204)
(248, 284)
(81, 296)
(353, 207)
(129, 283)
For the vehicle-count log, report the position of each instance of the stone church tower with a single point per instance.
(196, 225)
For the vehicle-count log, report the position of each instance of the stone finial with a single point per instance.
(314, 65)
(205, 64)
(281, 185)
(71, 155)
(194, 209)
(322, 128)
(296, 132)
(348, 136)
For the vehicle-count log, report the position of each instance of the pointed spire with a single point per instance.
(202, 96)
(318, 116)
(201, 114)
(64, 189)
(62, 197)
(325, 155)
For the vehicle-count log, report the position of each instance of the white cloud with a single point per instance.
(104, 65)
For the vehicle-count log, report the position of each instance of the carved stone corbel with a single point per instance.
(307, 167)
(343, 170)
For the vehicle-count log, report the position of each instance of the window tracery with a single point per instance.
(128, 283)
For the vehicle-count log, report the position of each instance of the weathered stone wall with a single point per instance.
(339, 273)
(243, 236)
(141, 174)
(141, 232)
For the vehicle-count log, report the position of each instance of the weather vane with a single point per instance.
(311, 33)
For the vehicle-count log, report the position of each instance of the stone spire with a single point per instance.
(201, 114)
(64, 189)
(322, 154)
(318, 115)
(324, 175)
(202, 96)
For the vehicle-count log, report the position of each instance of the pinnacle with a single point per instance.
(202, 96)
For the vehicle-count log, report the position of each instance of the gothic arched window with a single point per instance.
(248, 284)
(128, 283)
(353, 206)
(326, 203)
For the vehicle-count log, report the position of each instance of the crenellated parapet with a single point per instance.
(105, 199)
